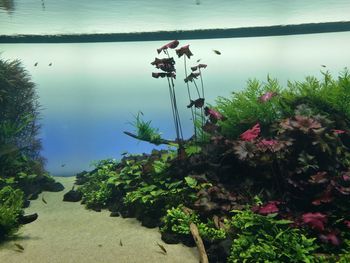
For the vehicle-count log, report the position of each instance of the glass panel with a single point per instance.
(110, 16)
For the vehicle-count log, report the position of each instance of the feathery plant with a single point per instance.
(145, 131)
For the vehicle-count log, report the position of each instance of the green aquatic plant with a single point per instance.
(11, 203)
(178, 221)
(259, 238)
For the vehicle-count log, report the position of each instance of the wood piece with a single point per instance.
(203, 258)
(162, 141)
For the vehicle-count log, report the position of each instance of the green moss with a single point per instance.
(11, 202)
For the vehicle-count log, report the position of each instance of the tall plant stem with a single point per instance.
(200, 75)
(189, 97)
(177, 112)
(173, 109)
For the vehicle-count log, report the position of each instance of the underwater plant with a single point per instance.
(167, 65)
(11, 208)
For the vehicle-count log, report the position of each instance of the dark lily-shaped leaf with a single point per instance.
(172, 44)
(165, 64)
(163, 75)
(244, 150)
(185, 50)
(198, 103)
(251, 134)
(315, 220)
(319, 178)
(330, 238)
(214, 115)
(199, 66)
(325, 198)
(267, 96)
(192, 76)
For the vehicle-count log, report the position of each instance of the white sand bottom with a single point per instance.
(66, 232)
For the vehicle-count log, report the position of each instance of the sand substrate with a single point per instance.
(66, 232)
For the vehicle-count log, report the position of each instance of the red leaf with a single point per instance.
(213, 114)
(199, 66)
(347, 223)
(315, 220)
(251, 134)
(269, 208)
(338, 131)
(330, 238)
(267, 96)
(172, 44)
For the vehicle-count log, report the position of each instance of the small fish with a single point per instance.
(43, 199)
(63, 165)
(124, 153)
(36, 63)
(217, 52)
(99, 245)
(323, 66)
(198, 60)
(162, 248)
(120, 242)
(50, 64)
(19, 246)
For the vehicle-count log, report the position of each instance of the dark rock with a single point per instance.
(26, 203)
(219, 252)
(114, 214)
(149, 222)
(53, 187)
(170, 238)
(72, 196)
(188, 241)
(81, 178)
(26, 219)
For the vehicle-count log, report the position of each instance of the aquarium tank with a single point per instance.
(174, 131)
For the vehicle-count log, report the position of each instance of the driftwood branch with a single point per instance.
(158, 142)
(203, 258)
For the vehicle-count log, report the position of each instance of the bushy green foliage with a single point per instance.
(178, 221)
(245, 108)
(11, 202)
(97, 190)
(260, 238)
(145, 131)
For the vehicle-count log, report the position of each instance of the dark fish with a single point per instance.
(43, 199)
(198, 60)
(217, 52)
(50, 64)
(162, 248)
(63, 165)
(124, 153)
(99, 245)
(36, 63)
(19, 246)
(120, 243)
(323, 66)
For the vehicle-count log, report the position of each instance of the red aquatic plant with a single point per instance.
(269, 208)
(315, 220)
(330, 237)
(185, 50)
(251, 134)
(172, 44)
(214, 115)
(165, 64)
(347, 223)
(267, 96)
(338, 131)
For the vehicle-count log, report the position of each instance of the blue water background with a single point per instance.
(92, 90)
(114, 16)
